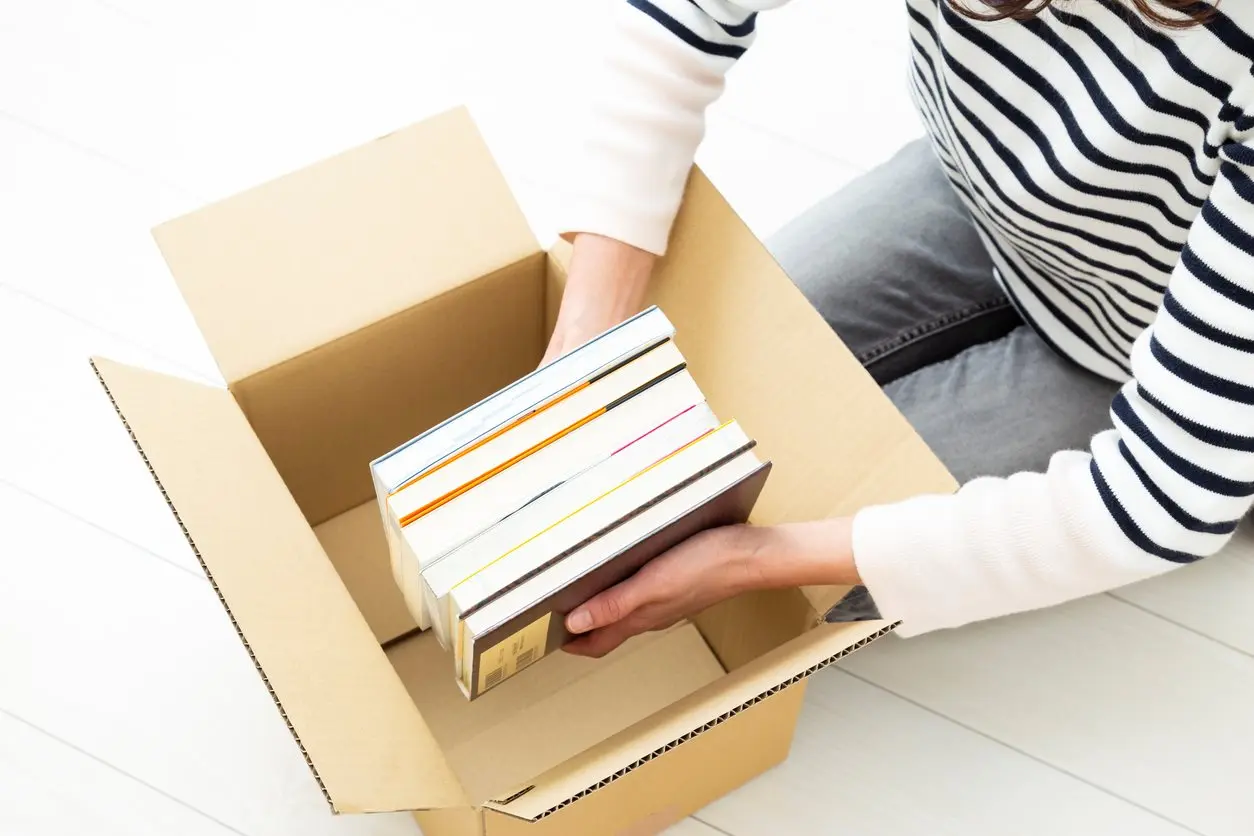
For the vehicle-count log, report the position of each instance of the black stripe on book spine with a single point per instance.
(623, 520)
(631, 358)
(666, 375)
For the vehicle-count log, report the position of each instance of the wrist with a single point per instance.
(816, 553)
(607, 283)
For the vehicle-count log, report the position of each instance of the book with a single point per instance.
(514, 630)
(482, 483)
(506, 516)
(544, 508)
(586, 523)
(395, 469)
(487, 457)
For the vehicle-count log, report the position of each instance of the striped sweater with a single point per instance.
(1109, 169)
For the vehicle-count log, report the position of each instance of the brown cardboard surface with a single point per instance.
(751, 625)
(325, 415)
(554, 283)
(358, 301)
(367, 745)
(463, 821)
(677, 783)
(562, 706)
(354, 543)
(763, 355)
(445, 708)
(302, 260)
(692, 717)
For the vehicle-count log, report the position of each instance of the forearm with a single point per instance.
(996, 547)
(606, 284)
(816, 553)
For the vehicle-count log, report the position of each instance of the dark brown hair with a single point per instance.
(1189, 12)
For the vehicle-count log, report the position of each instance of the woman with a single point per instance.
(1056, 288)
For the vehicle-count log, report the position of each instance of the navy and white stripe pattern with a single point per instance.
(1108, 166)
(718, 29)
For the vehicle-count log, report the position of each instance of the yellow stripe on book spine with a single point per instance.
(626, 481)
(459, 628)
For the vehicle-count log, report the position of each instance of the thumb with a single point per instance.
(608, 607)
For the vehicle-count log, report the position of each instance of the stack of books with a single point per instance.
(507, 516)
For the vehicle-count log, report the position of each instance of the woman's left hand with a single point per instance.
(708, 568)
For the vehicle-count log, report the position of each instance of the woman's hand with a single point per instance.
(606, 285)
(708, 568)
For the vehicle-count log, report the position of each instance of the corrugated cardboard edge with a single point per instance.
(501, 806)
(326, 795)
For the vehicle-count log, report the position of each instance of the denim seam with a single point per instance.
(913, 335)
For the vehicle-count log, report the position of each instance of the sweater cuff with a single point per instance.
(647, 229)
(894, 548)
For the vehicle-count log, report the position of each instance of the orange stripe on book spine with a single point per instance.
(626, 481)
(479, 480)
(491, 437)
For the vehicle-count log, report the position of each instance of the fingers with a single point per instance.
(609, 607)
(599, 642)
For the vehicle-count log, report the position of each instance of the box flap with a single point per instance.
(765, 357)
(507, 737)
(297, 262)
(354, 542)
(362, 736)
(689, 717)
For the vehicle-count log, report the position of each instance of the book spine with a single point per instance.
(539, 630)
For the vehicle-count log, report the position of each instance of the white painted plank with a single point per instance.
(133, 661)
(85, 244)
(214, 101)
(1111, 694)
(48, 788)
(867, 762)
(1212, 596)
(692, 827)
(60, 438)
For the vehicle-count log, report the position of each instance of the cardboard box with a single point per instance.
(358, 301)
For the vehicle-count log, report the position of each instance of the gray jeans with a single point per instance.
(894, 264)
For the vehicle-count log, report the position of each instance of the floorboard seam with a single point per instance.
(196, 375)
(62, 510)
(63, 742)
(714, 827)
(1195, 631)
(176, 188)
(1029, 755)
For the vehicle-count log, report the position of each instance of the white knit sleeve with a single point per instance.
(1165, 487)
(637, 115)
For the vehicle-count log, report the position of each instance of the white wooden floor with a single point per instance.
(126, 703)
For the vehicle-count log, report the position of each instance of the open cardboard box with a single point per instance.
(354, 303)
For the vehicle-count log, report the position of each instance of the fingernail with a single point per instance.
(579, 621)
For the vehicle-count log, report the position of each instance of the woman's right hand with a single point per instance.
(606, 284)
